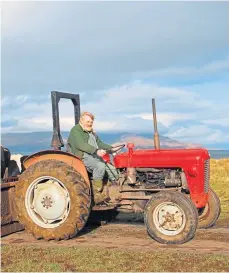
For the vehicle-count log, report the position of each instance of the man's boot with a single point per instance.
(99, 194)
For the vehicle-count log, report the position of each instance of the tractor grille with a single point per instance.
(206, 175)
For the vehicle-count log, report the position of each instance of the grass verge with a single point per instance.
(219, 181)
(34, 259)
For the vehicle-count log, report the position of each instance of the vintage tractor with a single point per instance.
(53, 197)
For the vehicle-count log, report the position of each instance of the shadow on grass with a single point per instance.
(97, 219)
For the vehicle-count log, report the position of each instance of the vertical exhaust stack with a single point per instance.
(156, 135)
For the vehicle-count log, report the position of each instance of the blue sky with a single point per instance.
(117, 56)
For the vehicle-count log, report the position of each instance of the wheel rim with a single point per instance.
(204, 212)
(47, 202)
(169, 218)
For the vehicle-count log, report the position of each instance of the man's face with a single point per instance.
(87, 123)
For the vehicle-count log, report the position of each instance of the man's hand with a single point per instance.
(101, 152)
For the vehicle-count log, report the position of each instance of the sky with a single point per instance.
(118, 56)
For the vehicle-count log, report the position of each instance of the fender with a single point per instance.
(65, 157)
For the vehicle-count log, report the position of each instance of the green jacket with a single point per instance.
(78, 142)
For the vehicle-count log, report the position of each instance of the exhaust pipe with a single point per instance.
(156, 135)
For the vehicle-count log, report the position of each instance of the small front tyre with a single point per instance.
(171, 218)
(211, 212)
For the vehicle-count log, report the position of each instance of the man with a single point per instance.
(85, 144)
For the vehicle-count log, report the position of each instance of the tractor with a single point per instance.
(53, 196)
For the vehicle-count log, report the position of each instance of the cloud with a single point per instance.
(118, 56)
(94, 45)
(189, 72)
(128, 108)
(13, 100)
(199, 134)
(167, 119)
(9, 123)
(18, 16)
(137, 97)
(221, 121)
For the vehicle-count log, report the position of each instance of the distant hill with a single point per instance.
(28, 143)
(148, 142)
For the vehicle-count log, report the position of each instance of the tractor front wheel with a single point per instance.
(210, 213)
(53, 200)
(171, 218)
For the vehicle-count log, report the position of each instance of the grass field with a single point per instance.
(219, 182)
(94, 259)
(74, 259)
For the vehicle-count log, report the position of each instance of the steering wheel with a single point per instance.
(111, 151)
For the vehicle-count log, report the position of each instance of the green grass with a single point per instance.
(219, 181)
(31, 259)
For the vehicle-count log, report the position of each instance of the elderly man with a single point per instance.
(85, 144)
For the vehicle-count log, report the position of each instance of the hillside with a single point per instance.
(27, 143)
(148, 142)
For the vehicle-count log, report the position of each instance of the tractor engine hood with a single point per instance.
(182, 158)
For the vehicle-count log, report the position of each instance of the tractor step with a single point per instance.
(103, 207)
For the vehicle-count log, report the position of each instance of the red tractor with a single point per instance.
(54, 194)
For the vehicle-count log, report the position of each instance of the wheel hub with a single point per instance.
(47, 202)
(169, 218)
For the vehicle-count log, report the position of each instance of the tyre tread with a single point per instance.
(81, 199)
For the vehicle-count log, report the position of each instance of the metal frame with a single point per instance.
(57, 141)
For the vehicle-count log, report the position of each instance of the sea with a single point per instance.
(219, 154)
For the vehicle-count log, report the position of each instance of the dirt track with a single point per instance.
(119, 235)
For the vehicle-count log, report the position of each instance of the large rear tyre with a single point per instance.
(211, 212)
(171, 218)
(53, 201)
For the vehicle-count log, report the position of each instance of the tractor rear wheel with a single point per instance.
(171, 218)
(53, 201)
(210, 213)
